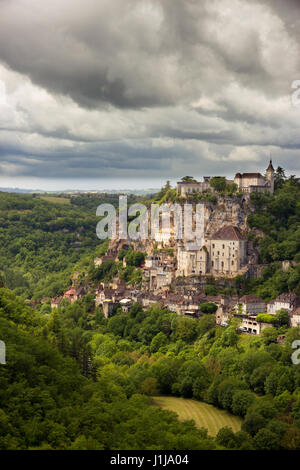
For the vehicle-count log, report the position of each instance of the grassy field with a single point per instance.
(204, 415)
(56, 200)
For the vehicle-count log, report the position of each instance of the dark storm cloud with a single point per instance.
(156, 87)
(129, 53)
(96, 53)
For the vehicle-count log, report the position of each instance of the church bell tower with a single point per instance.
(270, 176)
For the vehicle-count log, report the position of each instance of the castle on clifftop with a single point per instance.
(246, 183)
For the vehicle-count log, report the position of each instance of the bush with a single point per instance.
(241, 401)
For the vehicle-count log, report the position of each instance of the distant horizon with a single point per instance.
(106, 184)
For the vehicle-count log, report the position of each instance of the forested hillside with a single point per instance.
(77, 380)
(275, 225)
(46, 403)
(44, 240)
(74, 379)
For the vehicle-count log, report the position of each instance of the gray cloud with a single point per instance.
(138, 53)
(156, 87)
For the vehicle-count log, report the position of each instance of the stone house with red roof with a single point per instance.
(250, 182)
(250, 305)
(227, 251)
(223, 254)
(287, 301)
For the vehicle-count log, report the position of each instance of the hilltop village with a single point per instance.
(175, 275)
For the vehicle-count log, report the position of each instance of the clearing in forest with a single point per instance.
(204, 415)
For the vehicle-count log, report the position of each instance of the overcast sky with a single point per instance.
(129, 93)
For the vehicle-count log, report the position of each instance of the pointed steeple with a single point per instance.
(270, 167)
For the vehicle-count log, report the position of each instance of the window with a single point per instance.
(213, 245)
(223, 246)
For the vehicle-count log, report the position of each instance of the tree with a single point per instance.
(226, 438)
(226, 391)
(229, 337)
(210, 290)
(206, 323)
(291, 439)
(241, 401)
(279, 380)
(186, 329)
(208, 307)
(269, 334)
(166, 372)
(149, 386)
(258, 377)
(231, 188)
(135, 258)
(218, 183)
(279, 177)
(253, 422)
(277, 427)
(265, 407)
(266, 440)
(188, 179)
(158, 342)
(117, 325)
(194, 379)
(253, 360)
(266, 318)
(282, 317)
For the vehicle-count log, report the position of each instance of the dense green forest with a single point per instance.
(42, 242)
(76, 380)
(275, 229)
(51, 401)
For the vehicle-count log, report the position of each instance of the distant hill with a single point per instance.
(137, 192)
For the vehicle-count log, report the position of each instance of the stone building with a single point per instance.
(246, 182)
(250, 305)
(250, 182)
(184, 188)
(227, 251)
(295, 317)
(249, 324)
(288, 301)
(191, 262)
(224, 253)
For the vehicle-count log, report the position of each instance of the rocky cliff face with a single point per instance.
(228, 211)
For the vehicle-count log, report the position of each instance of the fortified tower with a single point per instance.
(270, 176)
